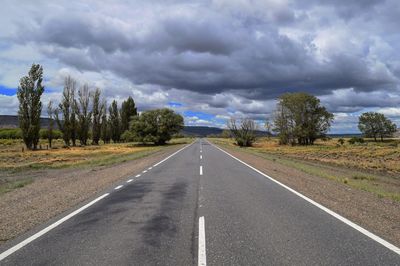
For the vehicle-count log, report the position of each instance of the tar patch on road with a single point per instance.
(164, 222)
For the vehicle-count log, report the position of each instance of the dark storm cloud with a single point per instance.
(252, 52)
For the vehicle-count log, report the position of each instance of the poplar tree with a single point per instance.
(29, 93)
(84, 115)
(67, 123)
(97, 113)
(115, 122)
(50, 128)
(128, 111)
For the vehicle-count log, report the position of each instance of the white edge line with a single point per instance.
(18, 246)
(150, 168)
(202, 259)
(130, 180)
(138, 175)
(47, 229)
(334, 214)
(144, 171)
(201, 170)
(160, 162)
(120, 186)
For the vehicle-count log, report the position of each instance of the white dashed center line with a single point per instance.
(138, 175)
(150, 168)
(145, 171)
(120, 186)
(201, 170)
(130, 180)
(201, 157)
(202, 243)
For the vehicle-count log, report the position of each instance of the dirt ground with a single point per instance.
(57, 190)
(378, 215)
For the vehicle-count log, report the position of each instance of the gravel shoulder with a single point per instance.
(57, 190)
(378, 215)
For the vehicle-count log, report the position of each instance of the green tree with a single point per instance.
(300, 118)
(84, 115)
(374, 125)
(115, 122)
(67, 123)
(128, 110)
(50, 127)
(244, 133)
(105, 124)
(29, 93)
(156, 126)
(97, 110)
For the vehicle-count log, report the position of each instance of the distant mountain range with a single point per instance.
(11, 121)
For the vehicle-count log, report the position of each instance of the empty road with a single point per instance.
(200, 206)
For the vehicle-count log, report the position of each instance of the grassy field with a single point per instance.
(14, 160)
(372, 167)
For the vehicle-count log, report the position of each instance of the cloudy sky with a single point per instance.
(210, 60)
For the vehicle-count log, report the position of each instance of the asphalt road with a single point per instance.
(247, 220)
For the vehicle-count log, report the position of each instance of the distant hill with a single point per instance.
(200, 131)
(11, 121)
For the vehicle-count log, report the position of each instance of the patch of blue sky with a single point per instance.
(13, 91)
(7, 91)
(175, 104)
(200, 115)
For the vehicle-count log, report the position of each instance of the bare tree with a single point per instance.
(268, 127)
(84, 115)
(97, 112)
(244, 132)
(67, 123)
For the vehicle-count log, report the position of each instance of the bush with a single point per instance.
(127, 136)
(44, 133)
(355, 140)
(341, 141)
(10, 133)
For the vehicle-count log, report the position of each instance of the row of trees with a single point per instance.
(301, 119)
(83, 114)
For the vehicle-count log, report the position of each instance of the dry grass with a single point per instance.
(12, 158)
(372, 167)
(14, 161)
(371, 156)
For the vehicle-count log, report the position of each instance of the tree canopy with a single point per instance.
(156, 126)
(374, 125)
(300, 118)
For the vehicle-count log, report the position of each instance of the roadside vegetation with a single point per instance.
(82, 131)
(370, 166)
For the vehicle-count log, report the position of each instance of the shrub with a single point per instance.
(355, 140)
(44, 134)
(10, 133)
(341, 141)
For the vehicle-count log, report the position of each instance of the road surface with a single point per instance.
(198, 207)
